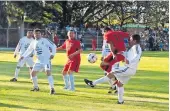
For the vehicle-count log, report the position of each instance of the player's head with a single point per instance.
(29, 33)
(71, 34)
(134, 39)
(106, 29)
(37, 33)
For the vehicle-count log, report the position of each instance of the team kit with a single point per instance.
(118, 46)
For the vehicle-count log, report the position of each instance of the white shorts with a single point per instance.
(28, 61)
(123, 74)
(42, 67)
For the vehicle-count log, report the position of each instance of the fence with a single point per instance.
(9, 37)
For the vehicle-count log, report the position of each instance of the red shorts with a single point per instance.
(72, 65)
(109, 59)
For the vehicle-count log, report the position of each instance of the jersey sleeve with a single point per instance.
(52, 46)
(138, 53)
(18, 47)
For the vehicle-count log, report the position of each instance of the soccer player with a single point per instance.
(41, 47)
(73, 50)
(116, 41)
(105, 52)
(124, 73)
(20, 49)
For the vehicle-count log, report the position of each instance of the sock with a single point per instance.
(35, 83)
(16, 72)
(71, 77)
(66, 80)
(101, 80)
(30, 70)
(51, 81)
(120, 94)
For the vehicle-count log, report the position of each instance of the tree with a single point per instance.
(157, 13)
(3, 14)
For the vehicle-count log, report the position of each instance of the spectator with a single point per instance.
(151, 41)
(94, 44)
(56, 39)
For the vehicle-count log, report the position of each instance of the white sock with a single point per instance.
(16, 72)
(35, 82)
(51, 81)
(30, 74)
(66, 80)
(120, 93)
(101, 80)
(71, 77)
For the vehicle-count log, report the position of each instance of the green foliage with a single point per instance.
(76, 12)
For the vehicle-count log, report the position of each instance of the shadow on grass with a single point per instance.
(20, 107)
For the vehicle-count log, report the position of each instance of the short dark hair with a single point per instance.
(136, 37)
(37, 30)
(107, 29)
(29, 30)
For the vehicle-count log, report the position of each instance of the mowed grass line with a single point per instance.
(147, 90)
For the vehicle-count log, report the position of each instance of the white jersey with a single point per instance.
(133, 56)
(43, 49)
(105, 49)
(22, 45)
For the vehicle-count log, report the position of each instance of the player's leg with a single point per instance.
(30, 63)
(50, 78)
(123, 76)
(30, 70)
(17, 70)
(71, 80)
(74, 67)
(113, 81)
(100, 80)
(36, 68)
(66, 76)
(34, 80)
(109, 61)
(120, 92)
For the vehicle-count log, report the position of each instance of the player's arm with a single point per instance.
(17, 49)
(138, 53)
(112, 48)
(79, 50)
(28, 52)
(53, 48)
(63, 46)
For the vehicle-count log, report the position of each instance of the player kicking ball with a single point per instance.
(44, 50)
(73, 50)
(124, 73)
(20, 49)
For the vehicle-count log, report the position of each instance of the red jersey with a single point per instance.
(117, 37)
(72, 46)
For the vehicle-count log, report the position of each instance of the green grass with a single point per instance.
(146, 91)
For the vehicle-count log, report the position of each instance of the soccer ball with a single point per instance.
(92, 58)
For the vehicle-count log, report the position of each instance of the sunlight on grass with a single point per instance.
(146, 91)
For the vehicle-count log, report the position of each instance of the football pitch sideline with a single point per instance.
(146, 91)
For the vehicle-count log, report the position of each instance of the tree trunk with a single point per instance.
(121, 23)
(64, 7)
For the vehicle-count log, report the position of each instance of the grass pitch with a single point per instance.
(146, 91)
